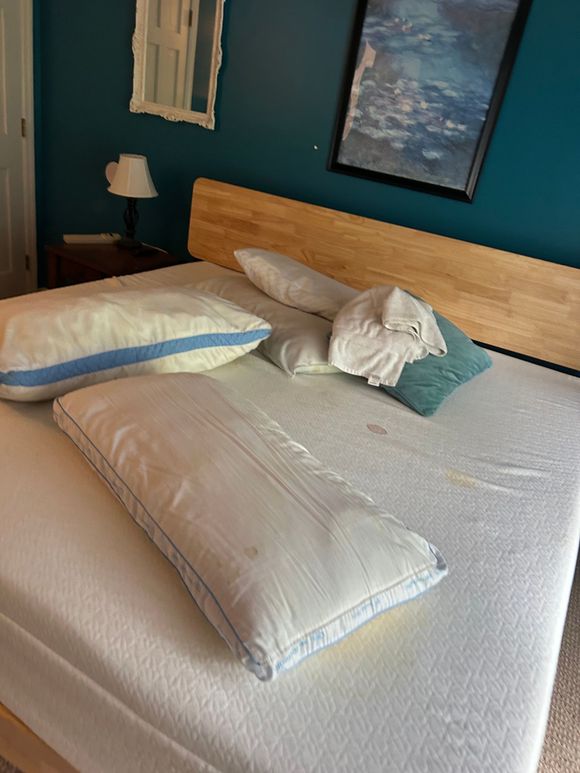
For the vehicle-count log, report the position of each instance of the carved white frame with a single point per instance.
(138, 102)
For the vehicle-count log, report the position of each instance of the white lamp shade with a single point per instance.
(130, 177)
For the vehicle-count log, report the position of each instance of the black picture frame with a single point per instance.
(480, 145)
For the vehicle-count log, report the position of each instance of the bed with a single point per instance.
(109, 664)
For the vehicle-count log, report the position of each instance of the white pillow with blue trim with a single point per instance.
(283, 556)
(52, 345)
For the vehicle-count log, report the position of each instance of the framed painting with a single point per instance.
(423, 87)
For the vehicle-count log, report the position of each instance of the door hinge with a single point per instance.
(23, 126)
(190, 18)
(27, 262)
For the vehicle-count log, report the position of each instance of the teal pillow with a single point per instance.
(424, 384)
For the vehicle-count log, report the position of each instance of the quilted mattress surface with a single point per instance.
(105, 655)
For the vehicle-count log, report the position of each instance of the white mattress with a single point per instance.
(107, 658)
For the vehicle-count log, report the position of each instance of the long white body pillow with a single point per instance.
(283, 556)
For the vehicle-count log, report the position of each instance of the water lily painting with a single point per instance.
(423, 88)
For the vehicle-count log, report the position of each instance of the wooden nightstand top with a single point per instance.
(110, 259)
(72, 263)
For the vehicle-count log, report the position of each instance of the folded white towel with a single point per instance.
(362, 344)
(404, 313)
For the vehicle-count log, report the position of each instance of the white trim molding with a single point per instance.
(139, 104)
(29, 177)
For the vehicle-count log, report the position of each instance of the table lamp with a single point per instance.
(130, 177)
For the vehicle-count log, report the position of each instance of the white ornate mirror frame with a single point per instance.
(139, 104)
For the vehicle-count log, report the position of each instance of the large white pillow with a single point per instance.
(299, 341)
(293, 283)
(282, 555)
(51, 345)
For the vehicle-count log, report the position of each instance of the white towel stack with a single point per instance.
(381, 330)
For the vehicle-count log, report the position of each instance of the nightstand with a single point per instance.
(70, 264)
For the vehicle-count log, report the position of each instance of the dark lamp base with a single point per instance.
(129, 244)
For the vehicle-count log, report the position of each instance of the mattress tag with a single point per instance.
(375, 381)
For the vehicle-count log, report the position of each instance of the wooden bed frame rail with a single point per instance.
(25, 750)
(509, 301)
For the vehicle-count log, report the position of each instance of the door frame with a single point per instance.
(28, 155)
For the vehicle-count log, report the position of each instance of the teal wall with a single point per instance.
(277, 99)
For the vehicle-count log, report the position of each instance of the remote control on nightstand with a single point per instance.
(105, 238)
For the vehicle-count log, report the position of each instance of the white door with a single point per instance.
(171, 38)
(17, 254)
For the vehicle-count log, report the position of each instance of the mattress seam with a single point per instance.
(83, 675)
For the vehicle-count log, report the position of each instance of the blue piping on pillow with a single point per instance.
(117, 358)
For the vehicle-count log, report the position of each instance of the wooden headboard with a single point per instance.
(510, 301)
